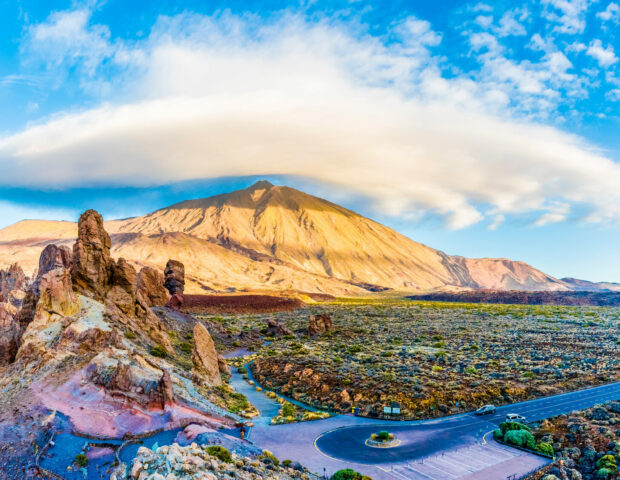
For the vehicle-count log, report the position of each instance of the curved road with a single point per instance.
(420, 439)
(454, 447)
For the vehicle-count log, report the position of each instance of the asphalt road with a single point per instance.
(421, 439)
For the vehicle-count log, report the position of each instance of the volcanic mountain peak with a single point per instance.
(277, 237)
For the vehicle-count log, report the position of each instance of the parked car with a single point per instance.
(515, 417)
(485, 410)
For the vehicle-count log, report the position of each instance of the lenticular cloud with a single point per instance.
(225, 96)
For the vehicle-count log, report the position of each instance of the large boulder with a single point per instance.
(174, 280)
(132, 378)
(277, 329)
(123, 286)
(91, 267)
(320, 324)
(205, 356)
(151, 287)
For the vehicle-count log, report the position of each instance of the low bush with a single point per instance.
(545, 448)
(219, 452)
(498, 435)
(520, 438)
(267, 455)
(159, 351)
(383, 436)
(81, 460)
(507, 426)
(349, 474)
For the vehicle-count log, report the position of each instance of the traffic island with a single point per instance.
(382, 439)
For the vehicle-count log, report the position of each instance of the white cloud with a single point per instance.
(569, 15)
(68, 38)
(612, 12)
(604, 56)
(224, 95)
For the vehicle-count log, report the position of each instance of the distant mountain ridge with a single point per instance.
(279, 238)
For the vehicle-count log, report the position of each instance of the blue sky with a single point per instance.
(482, 129)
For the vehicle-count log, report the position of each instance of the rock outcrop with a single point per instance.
(52, 257)
(320, 324)
(151, 287)
(91, 268)
(205, 356)
(56, 294)
(174, 277)
(132, 378)
(277, 329)
(9, 333)
(12, 278)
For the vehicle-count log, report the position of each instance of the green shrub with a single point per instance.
(186, 347)
(607, 462)
(545, 448)
(288, 410)
(81, 460)
(471, 370)
(267, 455)
(159, 351)
(242, 370)
(348, 474)
(130, 335)
(219, 452)
(507, 426)
(520, 438)
(383, 436)
(498, 435)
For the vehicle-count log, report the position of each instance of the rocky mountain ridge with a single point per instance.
(270, 237)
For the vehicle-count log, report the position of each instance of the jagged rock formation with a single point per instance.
(91, 267)
(319, 324)
(205, 356)
(151, 287)
(174, 277)
(13, 278)
(277, 329)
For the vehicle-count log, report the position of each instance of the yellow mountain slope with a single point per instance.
(276, 237)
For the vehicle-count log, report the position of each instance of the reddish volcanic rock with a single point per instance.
(176, 301)
(53, 257)
(91, 267)
(174, 277)
(12, 278)
(151, 286)
(9, 333)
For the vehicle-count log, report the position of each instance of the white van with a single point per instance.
(515, 417)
